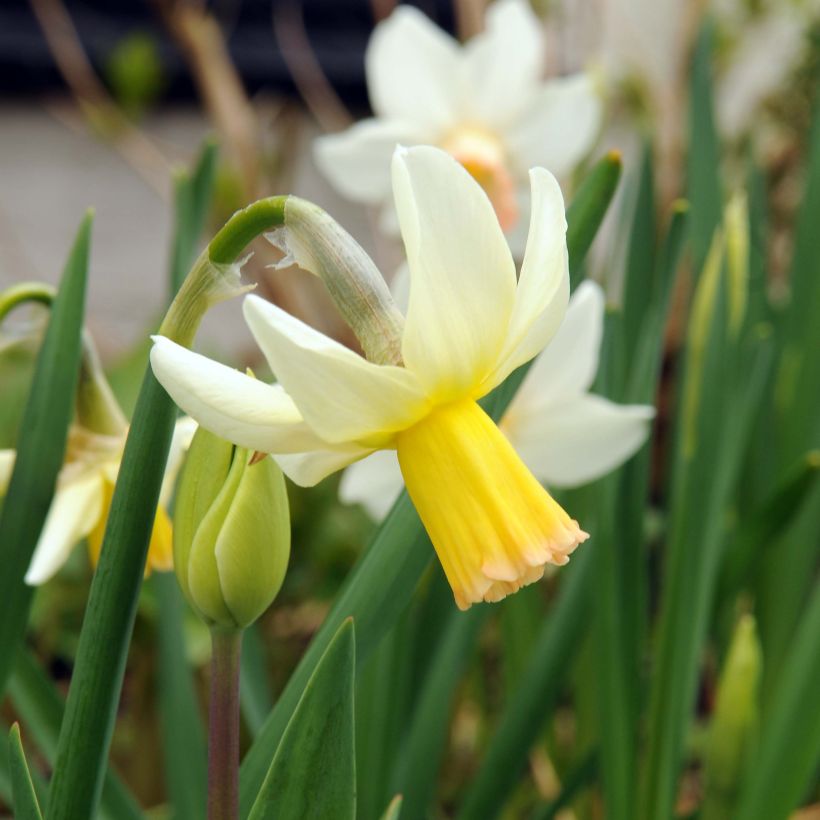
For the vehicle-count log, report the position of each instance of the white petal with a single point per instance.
(308, 469)
(184, 431)
(504, 62)
(559, 126)
(580, 440)
(414, 71)
(230, 404)
(400, 287)
(6, 468)
(462, 275)
(568, 364)
(341, 395)
(374, 482)
(357, 161)
(543, 287)
(74, 512)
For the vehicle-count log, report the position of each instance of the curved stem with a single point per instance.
(223, 729)
(244, 226)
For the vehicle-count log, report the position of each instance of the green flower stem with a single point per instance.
(97, 408)
(223, 729)
(244, 226)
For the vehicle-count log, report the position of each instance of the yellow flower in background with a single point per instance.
(83, 495)
(484, 102)
(470, 322)
(563, 433)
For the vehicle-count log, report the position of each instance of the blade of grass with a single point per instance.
(40, 707)
(26, 806)
(41, 447)
(579, 777)
(382, 583)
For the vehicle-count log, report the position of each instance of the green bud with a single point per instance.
(231, 532)
(733, 728)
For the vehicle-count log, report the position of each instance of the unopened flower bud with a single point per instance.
(231, 532)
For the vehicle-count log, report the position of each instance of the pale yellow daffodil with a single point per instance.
(485, 102)
(566, 435)
(470, 322)
(83, 495)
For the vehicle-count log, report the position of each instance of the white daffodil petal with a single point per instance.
(559, 126)
(414, 71)
(357, 161)
(230, 404)
(184, 431)
(374, 482)
(400, 287)
(568, 364)
(6, 468)
(308, 469)
(504, 62)
(543, 287)
(462, 275)
(342, 396)
(74, 512)
(580, 440)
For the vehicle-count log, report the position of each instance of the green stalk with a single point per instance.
(223, 729)
(91, 706)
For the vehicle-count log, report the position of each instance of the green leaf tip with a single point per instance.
(24, 797)
(313, 773)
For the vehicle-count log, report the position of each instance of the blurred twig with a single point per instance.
(305, 70)
(469, 16)
(220, 85)
(101, 111)
(382, 9)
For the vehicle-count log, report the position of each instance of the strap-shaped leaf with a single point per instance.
(313, 773)
(41, 447)
(26, 806)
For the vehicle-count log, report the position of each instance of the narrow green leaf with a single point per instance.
(532, 703)
(40, 707)
(789, 749)
(183, 734)
(588, 208)
(704, 189)
(193, 193)
(313, 773)
(428, 728)
(26, 806)
(255, 688)
(722, 389)
(381, 585)
(41, 447)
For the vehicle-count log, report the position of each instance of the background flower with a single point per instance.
(483, 102)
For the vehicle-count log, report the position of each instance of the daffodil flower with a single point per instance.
(83, 495)
(563, 433)
(470, 322)
(484, 102)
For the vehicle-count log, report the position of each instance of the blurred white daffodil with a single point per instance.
(485, 103)
(563, 433)
(82, 499)
(470, 322)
